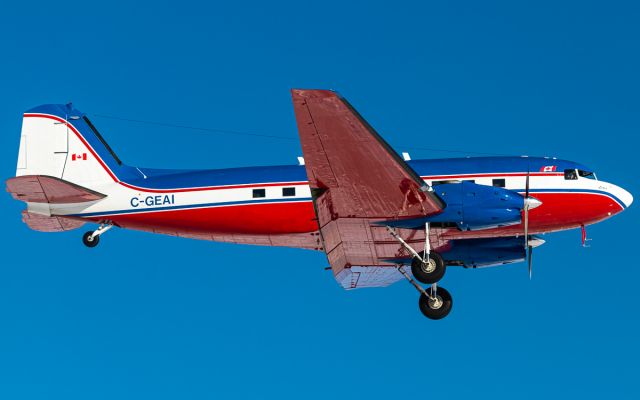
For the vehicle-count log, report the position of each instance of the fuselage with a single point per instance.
(373, 214)
(273, 205)
(272, 201)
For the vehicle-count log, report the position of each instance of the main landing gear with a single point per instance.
(427, 267)
(434, 302)
(92, 238)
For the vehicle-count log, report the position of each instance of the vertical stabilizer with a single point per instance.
(61, 142)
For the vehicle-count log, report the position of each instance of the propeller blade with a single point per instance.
(526, 209)
(527, 246)
(526, 223)
(529, 260)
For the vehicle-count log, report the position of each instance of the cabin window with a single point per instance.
(288, 192)
(570, 174)
(258, 193)
(587, 174)
(434, 183)
(498, 183)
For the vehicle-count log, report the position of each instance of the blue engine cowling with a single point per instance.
(488, 252)
(473, 207)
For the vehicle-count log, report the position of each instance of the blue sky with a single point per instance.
(145, 316)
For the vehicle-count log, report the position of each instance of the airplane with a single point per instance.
(379, 217)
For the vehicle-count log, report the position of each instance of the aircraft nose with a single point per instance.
(625, 197)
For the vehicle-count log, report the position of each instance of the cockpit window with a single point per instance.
(570, 174)
(587, 174)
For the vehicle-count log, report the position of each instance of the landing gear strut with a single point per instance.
(428, 267)
(92, 238)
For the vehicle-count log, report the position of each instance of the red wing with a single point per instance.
(47, 189)
(356, 180)
(344, 154)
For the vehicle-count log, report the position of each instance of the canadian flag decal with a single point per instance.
(75, 157)
(548, 168)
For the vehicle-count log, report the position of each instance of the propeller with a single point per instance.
(529, 203)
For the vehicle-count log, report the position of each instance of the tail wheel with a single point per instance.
(430, 270)
(438, 306)
(90, 241)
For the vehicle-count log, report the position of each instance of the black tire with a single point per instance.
(427, 305)
(86, 239)
(422, 274)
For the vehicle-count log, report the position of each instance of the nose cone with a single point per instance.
(625, 197)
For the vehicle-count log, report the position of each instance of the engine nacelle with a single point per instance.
(474, 207)
(489, 252)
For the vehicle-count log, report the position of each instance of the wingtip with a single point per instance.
(313, 93)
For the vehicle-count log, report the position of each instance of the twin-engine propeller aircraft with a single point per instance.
(378, 217)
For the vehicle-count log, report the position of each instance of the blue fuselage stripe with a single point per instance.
(205, 205)
(296, 200)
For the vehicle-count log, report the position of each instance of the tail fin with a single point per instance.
(61, 142)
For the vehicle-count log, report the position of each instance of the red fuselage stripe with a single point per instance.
(198, 189)
(489, 175)
(559, 211)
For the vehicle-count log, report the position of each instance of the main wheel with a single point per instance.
(430, 271)
(89, 241)
(438, 307)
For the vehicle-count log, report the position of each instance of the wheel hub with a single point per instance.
(428, 266)
(435, 302)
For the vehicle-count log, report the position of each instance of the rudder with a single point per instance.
(60, 141)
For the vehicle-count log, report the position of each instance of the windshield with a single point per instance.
(587, 174)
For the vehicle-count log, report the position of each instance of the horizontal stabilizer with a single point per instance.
(43, 223)
(47, 189)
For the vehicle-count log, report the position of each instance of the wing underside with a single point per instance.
(44, 223)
